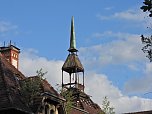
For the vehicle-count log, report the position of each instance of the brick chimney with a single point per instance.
(11, 53)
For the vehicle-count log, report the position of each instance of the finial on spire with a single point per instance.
(72, 38)
(10, 43)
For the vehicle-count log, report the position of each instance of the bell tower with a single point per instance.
(11, 53)
(72, 65)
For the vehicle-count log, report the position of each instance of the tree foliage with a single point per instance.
(67, 94)
(147, 41)
(107, 109)
(31, 86)
(147, 7)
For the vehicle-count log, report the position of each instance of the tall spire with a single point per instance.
(72, 65)
(72, 38)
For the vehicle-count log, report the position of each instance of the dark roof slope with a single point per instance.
(11, 68)
(10, 97)
(48, 88)
(83, 104)
(45, 86)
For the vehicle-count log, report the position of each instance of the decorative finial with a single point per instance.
(10, 43)
(72, 38)
(4, 43)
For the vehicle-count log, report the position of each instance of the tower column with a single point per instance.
(83, 81)
(62, 78)
(70, 79)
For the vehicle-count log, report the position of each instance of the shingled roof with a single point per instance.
(82, 104)
(72, 64)
(10, 97)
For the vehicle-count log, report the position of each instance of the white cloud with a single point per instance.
(97, 85)
(115, 36)
(131, 104)
(142, 84)
(133, 67)
(133, 15)
(30, 63)
(6, 26)
(108, 8)
(124, 48)
(102, 86)
(136, 18)
(130, 15)
(148, 69)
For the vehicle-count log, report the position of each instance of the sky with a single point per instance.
(107, 36)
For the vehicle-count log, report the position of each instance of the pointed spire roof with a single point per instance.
(72, 63)
(72, 38)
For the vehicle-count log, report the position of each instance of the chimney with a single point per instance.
(11, 53)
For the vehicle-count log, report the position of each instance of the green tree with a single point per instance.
(147, 41)
(147, 7)
(107, 109)
(31, 86)
(67, 94)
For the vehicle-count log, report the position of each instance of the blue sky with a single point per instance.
(49, 22)
(108, 39)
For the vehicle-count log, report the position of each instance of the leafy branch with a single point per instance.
(148, 46)
(147, 7)
(107, 109)
(69, 100)
(31, 86)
